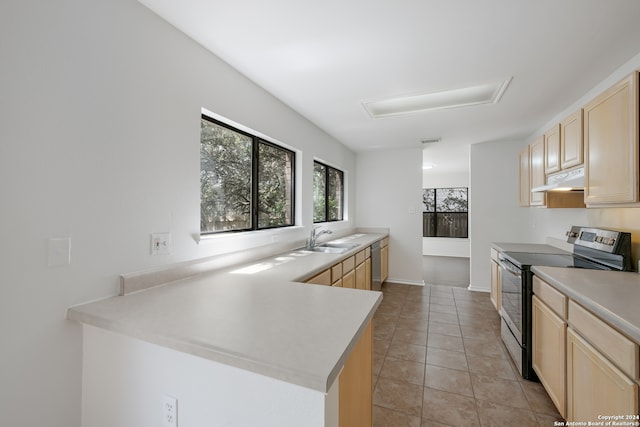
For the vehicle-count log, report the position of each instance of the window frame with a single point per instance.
(256, 141)
(328, 168)
(435, 212)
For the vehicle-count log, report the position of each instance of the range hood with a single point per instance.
(563, 181)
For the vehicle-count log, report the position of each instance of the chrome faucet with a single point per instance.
(315, 234)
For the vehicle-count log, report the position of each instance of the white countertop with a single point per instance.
(265, 322)
(534, 248)
(611, 295)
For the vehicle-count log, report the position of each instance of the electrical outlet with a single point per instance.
(160, 243)
(170, 411)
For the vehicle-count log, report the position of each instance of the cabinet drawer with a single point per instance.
(348, 264)
(323, 278)
(360, 257)
(384, 242)
(367, 252)
(618, 348)
(336, 272)
(551, 297)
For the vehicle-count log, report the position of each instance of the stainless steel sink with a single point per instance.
(332, 248)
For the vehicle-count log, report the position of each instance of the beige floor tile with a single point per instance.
(444, 328)
(412, 323)
(406, 351)
(445, 342)
(383, 417)
(437, 308)
(484, 347)
(493, 414)
(435, 299)
(384, 331)
(381, 346)
(447, 379)
(403, 370)
(431, 423)
(538, 398)
(378, 360)
(449, 408)
(411, 336)
(491, 366)
(398, 396)
(498, 390)
(447, 359)
(444, 317)
(545, 420)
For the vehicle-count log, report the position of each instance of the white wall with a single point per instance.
(444, 246)
(494, 214)
(208, 393)
(389, 188)
(100, 111)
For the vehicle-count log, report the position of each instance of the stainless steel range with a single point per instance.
(593, 248)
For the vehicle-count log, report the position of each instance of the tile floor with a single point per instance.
(439, 361)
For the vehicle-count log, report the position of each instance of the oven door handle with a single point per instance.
(507, 265)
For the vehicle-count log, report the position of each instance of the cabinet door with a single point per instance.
(384, 261)
(611, 145)
(367, 270)
(571, 151)
(525, 177)
(538, 177)
(323, 278)
(349, 280)
(356, 384)
(549, 352)
(552, 150)
(361, 276)
(594, 386)
(495, 285)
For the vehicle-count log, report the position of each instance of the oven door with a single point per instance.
(512, 288)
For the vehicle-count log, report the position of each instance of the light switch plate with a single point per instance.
(160, 243)
(59, 251)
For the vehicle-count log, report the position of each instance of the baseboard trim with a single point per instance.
(477, 289)
(404, 282)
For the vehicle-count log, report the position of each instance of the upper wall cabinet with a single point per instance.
(537, 171)
(552, 150)
(611, 145)
(571, 142)
(525, 178)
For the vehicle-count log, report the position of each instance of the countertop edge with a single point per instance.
(600, 311)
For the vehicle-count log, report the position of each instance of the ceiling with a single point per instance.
(324, 59)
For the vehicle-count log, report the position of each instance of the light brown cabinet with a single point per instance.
(549, 352)
(595, 387)
(356, 384)
(611, 145)
(537, 173)
(352, 272)
(323, 278)
(571, 141)
(552, 150)
(588, 368)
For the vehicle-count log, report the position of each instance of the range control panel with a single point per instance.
(597, 238)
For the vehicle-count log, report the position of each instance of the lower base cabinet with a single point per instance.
(356, 384)
(549, 352)
(595, 387)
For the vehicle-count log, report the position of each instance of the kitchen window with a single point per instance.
(328, 193)
(445, 212)
(246, 182)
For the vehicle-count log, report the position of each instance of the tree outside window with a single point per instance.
(445, 212)
(328, 193)
(246, 183)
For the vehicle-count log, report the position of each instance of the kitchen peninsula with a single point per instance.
(244, 345)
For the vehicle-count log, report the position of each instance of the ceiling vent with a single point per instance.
(430, 141)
